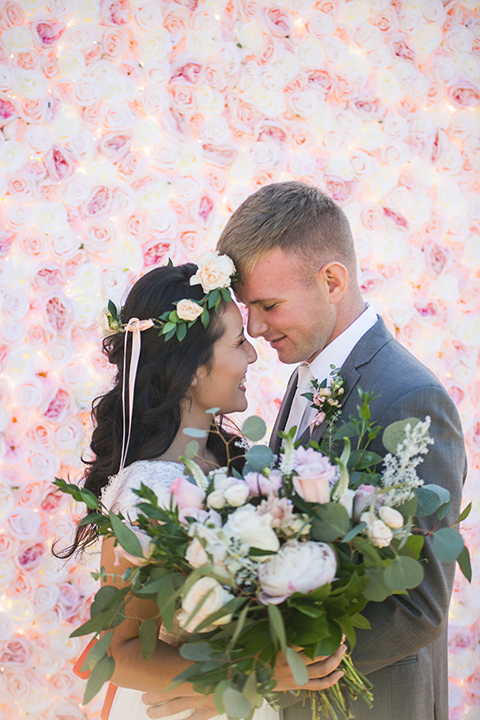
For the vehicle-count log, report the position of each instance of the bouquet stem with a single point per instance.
(332, 703)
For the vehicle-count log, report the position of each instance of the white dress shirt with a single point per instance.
(337, 352)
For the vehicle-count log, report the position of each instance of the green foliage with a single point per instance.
(297, 666)
(78, 494)
(429, 498)
(377, 590)
(464, 563)
(148, 637)
(196, 651)
(258, 457)
(101, 673)
(195, 432)
(97, 651)
(277, 627)
(330, 522)
(394, 434)
(126, 537)
(403, 573)
(254, 428)
(447, 544)
(466, 512)
(235, 704)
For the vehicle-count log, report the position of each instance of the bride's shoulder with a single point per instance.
(118, 494)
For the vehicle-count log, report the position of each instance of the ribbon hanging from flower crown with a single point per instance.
(135, 326)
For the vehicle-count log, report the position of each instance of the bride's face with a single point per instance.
(223, 385)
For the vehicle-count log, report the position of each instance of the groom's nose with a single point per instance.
(256, 326)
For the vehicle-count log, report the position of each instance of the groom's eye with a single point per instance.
(269, 307)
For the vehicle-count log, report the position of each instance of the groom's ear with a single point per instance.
(334, 277)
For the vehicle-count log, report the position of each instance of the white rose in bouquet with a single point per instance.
(237, 493)
(378, 532)
(216, 500)
(297, 567)
(196, 554)
(391, 517)
(252, 529)
(215, 598)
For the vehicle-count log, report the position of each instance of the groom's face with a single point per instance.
(288, 305)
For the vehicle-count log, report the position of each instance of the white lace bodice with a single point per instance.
(156, 474)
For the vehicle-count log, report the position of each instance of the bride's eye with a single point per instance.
(269, 307)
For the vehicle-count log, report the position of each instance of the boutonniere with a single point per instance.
(327, 400)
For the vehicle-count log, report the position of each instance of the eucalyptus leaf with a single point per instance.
(148, 638)
(331, 521)
(354, 532)
(192, 450)
(250, 689)
(277, 627)
(195, 432)
(97, 651)
(377, 590)
(348, 430)
(126, 538)
(254, 428)
(447, 544)
(297, 666)
(429, 498)
(235, 704)
(360, 622)
(94, 625)
(101, 673)
(403, 573)
(212, 411)
(465, 513)
(196, 651)
(443, 510)
(394, 434)
(102, 597)
(464, 563)
(259, 457)
(218, 696)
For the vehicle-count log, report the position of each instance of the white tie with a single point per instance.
(300, 404)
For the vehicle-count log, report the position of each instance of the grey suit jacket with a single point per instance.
(405, 653)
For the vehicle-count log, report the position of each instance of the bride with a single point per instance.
(176, 383)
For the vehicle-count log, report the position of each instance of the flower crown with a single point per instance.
(215, 274)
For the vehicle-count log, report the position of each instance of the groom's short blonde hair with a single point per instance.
(294, 217)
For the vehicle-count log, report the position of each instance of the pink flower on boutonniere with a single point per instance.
(327, 400)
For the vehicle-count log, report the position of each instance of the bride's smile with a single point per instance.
(223, 383)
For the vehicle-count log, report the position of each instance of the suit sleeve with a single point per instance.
(403, 624)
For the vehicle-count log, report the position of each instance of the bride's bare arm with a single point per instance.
(131, 670)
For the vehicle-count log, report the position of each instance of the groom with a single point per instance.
(294, 251)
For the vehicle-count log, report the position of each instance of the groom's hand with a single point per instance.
(160, 706)
(320, 671)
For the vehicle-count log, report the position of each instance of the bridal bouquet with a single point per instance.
(286, 554)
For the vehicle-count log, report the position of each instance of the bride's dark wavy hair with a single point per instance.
(166, 370)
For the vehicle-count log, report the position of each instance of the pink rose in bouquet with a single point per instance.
(315, 475)
(186, 494)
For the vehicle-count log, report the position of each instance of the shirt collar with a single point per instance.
(339, 349)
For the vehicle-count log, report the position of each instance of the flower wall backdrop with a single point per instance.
(130, 131)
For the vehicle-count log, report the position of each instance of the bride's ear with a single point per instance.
(194, 381)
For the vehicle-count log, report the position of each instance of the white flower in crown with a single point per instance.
(188, 310)
(214, 271)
